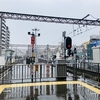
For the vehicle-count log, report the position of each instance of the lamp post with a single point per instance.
(33, 42)
(36, 35)
(33, 58)
(35, 31)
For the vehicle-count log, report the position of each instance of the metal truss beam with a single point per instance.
(38, 46)
(51, 19)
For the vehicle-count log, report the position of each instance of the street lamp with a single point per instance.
(36, 35)
(33, 42)
(33, 58)
(33, 38)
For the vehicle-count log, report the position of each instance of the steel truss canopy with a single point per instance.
(51, 19)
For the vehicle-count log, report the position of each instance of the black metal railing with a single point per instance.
(90, 66)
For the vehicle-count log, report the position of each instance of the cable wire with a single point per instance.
(56, 41)
(94, 17)
(74, 30)
(84, 31)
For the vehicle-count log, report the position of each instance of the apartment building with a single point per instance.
(4, 36)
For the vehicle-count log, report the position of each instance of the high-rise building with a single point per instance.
(7, 38)
(4, 35)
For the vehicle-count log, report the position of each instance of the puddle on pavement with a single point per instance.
(49, 92)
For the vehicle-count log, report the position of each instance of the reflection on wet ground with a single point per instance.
(49, 92)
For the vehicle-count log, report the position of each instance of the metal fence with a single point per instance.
(88, 70)
(94, 67)
(24, 73)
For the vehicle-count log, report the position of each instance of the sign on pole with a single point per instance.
(36, 67)
(33, 40)
(31, 69)
(47, 70)
(36, 59)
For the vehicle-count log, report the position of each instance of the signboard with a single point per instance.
(96, 43)
(36, 67)
(33, 46)
(33, 40)
(47, 71)
(48, 66)
(47, 75)
(31, 69)
(36, 59)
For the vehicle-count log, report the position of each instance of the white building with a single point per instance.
(96, 54)
(4, 35)
(7, 38)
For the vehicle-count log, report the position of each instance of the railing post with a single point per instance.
(73, 65)
(22, 73)
(32, 78)
(35, 76)
(40, 72)
(75, 68)
(98, 73)
(3, 75)
(52, 70)
(84, 69)
(32, 72)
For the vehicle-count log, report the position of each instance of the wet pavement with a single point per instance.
(46, 90)
(67, 90)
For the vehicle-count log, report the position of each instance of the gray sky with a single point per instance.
(50, 32)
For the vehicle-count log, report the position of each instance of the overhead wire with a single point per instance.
(84, 31)
(94, 17)
(56, 41)
(74, 30)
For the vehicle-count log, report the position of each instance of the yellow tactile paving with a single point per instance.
(40, 83)
(96, 90)
(2, 87)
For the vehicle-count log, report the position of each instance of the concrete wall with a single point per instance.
(2, 60)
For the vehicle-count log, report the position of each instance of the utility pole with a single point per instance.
(33, 58)
(35, 31)
(36, 57)
(75, 65)
(33, 42)
(64, 36)
(47, 53)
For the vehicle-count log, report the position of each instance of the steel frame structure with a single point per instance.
(51, 19)
(38, 46)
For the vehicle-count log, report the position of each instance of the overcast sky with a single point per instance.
(51, 33)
